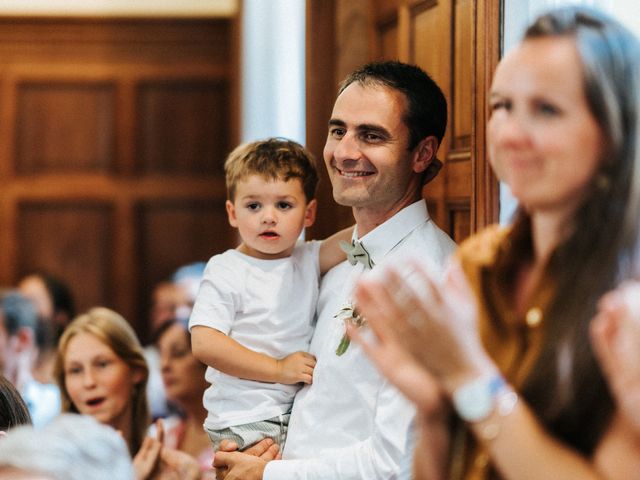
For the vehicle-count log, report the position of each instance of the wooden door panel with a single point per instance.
(114, 134)
(463, 77)
(64, 127)
(166, 230)
(184, 126)
(72, 239)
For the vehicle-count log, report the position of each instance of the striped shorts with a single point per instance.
(250, 433)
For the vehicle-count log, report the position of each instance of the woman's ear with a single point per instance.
(310, 213)
(138, 375)
(231, 213)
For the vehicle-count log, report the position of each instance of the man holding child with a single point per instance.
(350, 423)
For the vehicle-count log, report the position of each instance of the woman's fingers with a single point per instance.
(160, 431)
(375, 305)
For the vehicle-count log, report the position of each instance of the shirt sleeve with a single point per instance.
(379, 457)
(308, 255)
(218, 297)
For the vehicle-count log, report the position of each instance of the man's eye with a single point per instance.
(372, 137)
(337, 132)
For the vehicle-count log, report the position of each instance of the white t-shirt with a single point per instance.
(267, 306)
(351, 423)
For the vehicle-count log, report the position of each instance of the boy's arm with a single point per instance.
(221, 352)
(330, 252)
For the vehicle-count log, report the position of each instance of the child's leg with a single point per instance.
(248, 434)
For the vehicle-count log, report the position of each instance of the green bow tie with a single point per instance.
(357, 253)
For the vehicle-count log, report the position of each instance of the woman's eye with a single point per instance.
(498, 106)
(548, 109)
(103, 363)
(179, 352)
(73, 371)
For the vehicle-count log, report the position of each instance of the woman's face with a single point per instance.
(99, 383)
(182, 374)
(542, 139)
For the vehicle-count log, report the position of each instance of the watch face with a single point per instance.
(474, 400)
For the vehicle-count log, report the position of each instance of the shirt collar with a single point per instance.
(382, 239)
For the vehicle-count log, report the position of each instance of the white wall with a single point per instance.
(273, 70)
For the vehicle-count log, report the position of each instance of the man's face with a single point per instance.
(366, 152)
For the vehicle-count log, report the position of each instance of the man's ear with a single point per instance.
(424, 154)
(231, 213)
(310, 213)
(24, 339)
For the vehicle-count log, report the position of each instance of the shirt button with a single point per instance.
(533, 317)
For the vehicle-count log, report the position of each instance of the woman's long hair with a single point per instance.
(566, 387)
(115, 332)
(13, 410)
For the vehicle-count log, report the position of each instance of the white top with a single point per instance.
(351, 423)
(42, 400)
(267, 306)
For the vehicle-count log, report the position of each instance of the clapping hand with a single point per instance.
(426, 337)
(615, 335)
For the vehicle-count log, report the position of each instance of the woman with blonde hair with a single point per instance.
(101, 371)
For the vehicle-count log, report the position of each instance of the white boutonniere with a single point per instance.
(350, 316)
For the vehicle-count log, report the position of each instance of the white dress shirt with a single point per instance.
(351, 423)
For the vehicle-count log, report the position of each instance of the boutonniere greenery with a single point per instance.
(350, 316)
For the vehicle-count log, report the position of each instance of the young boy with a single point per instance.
(253, 317)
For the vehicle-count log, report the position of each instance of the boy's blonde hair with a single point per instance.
(273, 158)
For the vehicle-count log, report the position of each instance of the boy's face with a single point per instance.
(269, 215)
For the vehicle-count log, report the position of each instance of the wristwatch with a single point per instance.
(475, 400)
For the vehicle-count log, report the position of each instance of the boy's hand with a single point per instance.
(296, 367)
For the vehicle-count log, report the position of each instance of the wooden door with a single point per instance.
(457, 43)
(113, 136)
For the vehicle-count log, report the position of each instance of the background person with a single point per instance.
(54, 305)
(13, 410)
(184, 382)
(102, 373)
(515, 317)
(18, 354)
(72, 447)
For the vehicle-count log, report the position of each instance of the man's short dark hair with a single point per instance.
(427, 107)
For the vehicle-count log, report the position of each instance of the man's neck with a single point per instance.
(368, 219)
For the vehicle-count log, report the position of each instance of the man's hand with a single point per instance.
(266, 450)
(296, 367)
(238, 466)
